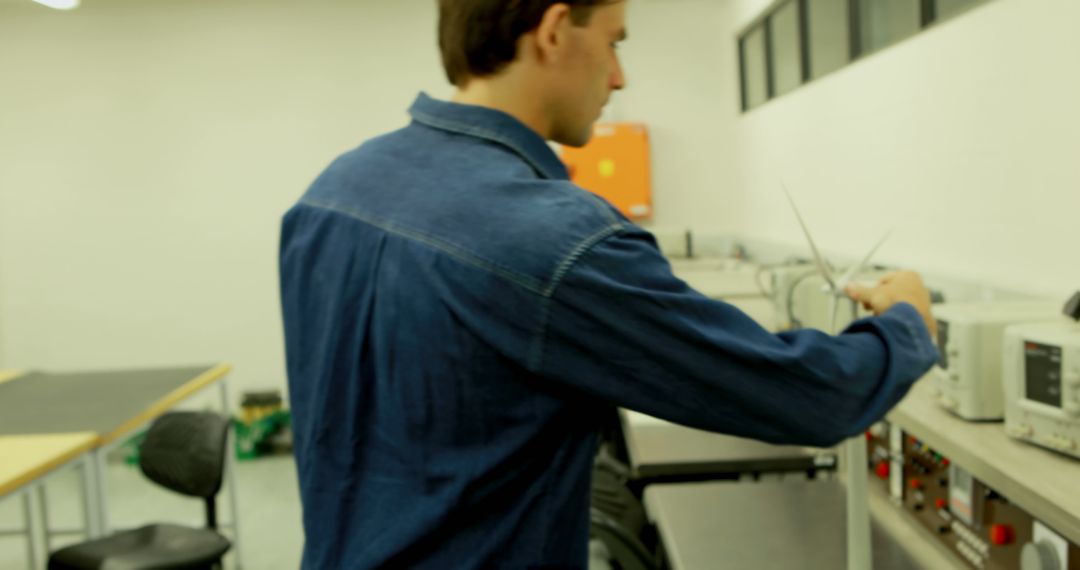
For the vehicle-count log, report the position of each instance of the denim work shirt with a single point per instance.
(458, 319)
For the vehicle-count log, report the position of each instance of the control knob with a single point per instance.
(1039, 556)
(1072, 307)
(1002, 534)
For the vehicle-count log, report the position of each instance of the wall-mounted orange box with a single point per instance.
(615, 165)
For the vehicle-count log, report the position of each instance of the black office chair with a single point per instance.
(185, 452)
(617, 518)
(626, 551)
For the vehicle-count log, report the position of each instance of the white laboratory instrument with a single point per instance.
(782, 279)
(968, 374)
(1041, 374)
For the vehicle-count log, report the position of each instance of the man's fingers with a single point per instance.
(894, 287)
(888, 277)
(857, 292)
(881, 300)
(871, 298)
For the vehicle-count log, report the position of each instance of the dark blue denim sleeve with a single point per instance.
(624, 329)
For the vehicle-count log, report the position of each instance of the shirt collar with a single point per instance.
(492, 125)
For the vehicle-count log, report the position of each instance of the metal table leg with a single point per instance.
(101, 486)
(35, 531)
(90, 490)
(230, 475)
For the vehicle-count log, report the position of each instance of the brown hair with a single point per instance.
(479, 37)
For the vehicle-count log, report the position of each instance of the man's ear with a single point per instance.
(552, 34)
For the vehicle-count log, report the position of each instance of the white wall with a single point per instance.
(965, 138)
(149, 147)
(148, 150)
(682, 72)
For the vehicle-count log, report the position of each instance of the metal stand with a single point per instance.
(101, 484)
(36, 550)
(91, 504)
(859, 547)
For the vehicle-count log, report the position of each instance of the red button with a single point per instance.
(914, 483)
(940, 503)
(882, 469)
(945, 461)
(1001, 534)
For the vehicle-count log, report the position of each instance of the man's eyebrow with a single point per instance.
(621, 35)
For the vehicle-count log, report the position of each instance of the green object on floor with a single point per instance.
(131, 448)
(259, 437)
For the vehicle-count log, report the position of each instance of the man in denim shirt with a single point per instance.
(459, 316)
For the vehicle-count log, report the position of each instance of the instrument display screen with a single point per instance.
(1042, 373)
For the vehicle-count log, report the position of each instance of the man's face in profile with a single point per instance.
(591, 72)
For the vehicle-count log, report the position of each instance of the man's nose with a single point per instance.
(618, 78)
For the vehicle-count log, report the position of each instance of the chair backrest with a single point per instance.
(185, 452)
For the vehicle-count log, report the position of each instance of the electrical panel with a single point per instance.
(782, 279)
(985, 529)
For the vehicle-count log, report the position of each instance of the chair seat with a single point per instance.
(157, 546)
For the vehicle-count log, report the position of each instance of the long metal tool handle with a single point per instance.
(823, 268)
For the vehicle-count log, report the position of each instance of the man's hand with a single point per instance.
(896, 287)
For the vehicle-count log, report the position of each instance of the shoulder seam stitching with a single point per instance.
(453, 250)
(539, 338)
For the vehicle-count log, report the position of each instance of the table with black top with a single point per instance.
(90, 413)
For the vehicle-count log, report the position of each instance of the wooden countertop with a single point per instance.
(24, 458)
